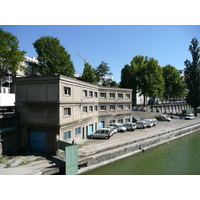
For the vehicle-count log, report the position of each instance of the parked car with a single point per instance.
(163, 118)
(114, 129)
(155, 122)
(101, 133)
(149, 122)
(130, 126)
(141, 124)
(119, 127)
(189, 116)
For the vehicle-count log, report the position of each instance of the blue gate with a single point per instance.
(102, 124)
(90, 128)
(37, 141)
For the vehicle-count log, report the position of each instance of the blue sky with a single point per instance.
(113, 44)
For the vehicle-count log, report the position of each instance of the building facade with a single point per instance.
(66, 108)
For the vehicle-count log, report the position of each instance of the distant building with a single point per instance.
(182, 73)
(7, 79)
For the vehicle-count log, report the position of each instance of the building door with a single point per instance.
(90, 128)
(37, 141)
(102, 124)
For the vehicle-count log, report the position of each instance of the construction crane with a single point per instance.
(84, 60)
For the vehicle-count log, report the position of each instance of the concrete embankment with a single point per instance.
(124, 148)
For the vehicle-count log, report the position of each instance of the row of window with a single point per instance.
(112, 95)
(68, 135)
(113, 107)
(67, 92)
(67, 111)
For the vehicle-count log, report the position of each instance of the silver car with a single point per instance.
(101, 133)
(141, 124)
(130, 126)
(113, 129)
(119, 127)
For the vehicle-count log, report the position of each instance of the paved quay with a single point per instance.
(94, 147)
(30, 163)
(37, 164)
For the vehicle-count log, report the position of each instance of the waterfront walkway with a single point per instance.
(93, 146)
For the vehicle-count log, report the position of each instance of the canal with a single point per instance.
(177, 157)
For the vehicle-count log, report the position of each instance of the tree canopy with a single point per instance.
(10, 55)
(53, 58)
(101, 71)
(89, 74)
(143, 75)
(174, 85)
(192, 76)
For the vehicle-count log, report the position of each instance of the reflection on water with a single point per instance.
(177, 157)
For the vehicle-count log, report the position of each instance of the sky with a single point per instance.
(116, 45)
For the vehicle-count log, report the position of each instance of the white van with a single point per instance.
(149, 122)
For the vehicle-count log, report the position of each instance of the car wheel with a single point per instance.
(92, 136)
(106, 137)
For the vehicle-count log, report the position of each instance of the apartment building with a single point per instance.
(66, 108)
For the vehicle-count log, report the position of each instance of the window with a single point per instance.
(67, 135)
(128, 96)
(127, 107)
(128, 120)
(85, 109)
(102, 95)
(67, 91)
(102, 108)
(120, 107)
(91, 109)
(112, 95)
(112, 107)
(67, 111)
(112, 121)
(78, 131)
(90, 94)
(84, 93)
(120, 96)
(120, 121)
(95, 94)
(95, 108)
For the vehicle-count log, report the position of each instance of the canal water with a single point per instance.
(178, 157)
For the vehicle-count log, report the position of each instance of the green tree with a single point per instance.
(150, 79)
(101, 71)
(144, 76)
(174, 85)
(109, 83)
(192, 76)
(10, 55)
(129, 74)
(53, 58)
(89, 74)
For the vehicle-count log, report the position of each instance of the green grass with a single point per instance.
(38, 159)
